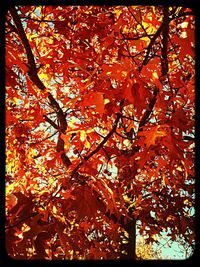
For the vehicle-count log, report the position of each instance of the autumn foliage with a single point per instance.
(99, 129)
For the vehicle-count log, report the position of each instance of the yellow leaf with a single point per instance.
(127, 143)
(154, 237)
(126, 234)
(31, 153)
(109, 72)
(183, 35)
(15, 100)
(179, 168)
(155, 75)
(25, 227)
(125, 29)
(106, 101)
(87, 144)
(50, 40)
(170, 218)
(54, 209)
(184, 24)
(146, 39)
(117, 12)
(51, 180)
(164, 179)
(145, 24)
(124, 73)
(42, 169)
(72, 122)
(44, 76)
(82, 135)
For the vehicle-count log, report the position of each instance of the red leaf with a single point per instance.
(51, 163)
(30, 86)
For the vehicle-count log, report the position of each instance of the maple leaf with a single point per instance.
(150, 136)
(94, 98)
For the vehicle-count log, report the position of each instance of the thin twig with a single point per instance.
(129, 118)
(124, 137)
(99, 146)
(149, 109)
(40, 141)
(137, 20)
(47, 119)
(21, 220)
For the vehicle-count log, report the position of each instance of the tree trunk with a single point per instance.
(130, 246)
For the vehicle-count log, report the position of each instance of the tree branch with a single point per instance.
(12, 27)
(105, 139)
(149, 109)
(129, 118)
(40, 141)
(31, 62)
(182, 14)
(33, 69)
(164, 27)
(146, 59)
(136, 38)
(62, 124)
(99, 146)
(21, 220)
(164, 62)
(47, 119)
(188, 138)
(137, 20)
(124, 39)
(124, 137)
(60, 114)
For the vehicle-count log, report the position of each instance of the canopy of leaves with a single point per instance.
(99, 129)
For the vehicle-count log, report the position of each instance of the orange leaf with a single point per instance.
(66, 139)
(94, 98)
(151, 135)
(11, 201)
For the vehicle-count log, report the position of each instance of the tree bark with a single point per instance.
(130, 247)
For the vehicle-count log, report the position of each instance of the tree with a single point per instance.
(146, 251)
(99, 129)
